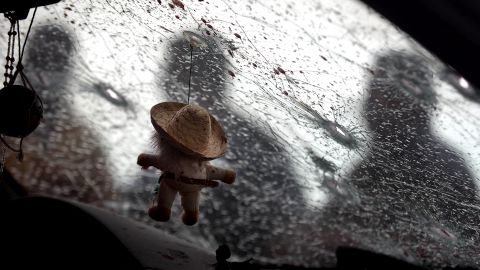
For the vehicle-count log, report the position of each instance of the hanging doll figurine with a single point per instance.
(187, 137)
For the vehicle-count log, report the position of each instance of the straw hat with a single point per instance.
(189, 128)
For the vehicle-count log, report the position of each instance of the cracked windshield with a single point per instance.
(341, 129)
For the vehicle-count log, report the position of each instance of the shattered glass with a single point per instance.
(343, 131)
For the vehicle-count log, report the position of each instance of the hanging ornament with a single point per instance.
(187, 137)
(21, 109)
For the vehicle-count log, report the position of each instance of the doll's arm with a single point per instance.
(224, 175)
(147, 160)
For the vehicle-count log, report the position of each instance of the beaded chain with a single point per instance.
(8, 70)
(10, 49)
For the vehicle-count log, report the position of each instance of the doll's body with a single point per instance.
(173, 164)
(176, 165)
(184, 172)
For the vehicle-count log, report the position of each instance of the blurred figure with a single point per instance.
(407, 161)
(415, 192)
(258, 214)
(62, 157)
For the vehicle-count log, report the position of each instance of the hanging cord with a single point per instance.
(19, 150)
(26, 37)
(19, 69)
(190, 75)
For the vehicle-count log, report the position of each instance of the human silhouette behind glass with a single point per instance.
(62, 157)
(413, 189)
(265, 197)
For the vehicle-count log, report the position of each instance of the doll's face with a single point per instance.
(164, 147)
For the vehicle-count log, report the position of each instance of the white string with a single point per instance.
(190, 74)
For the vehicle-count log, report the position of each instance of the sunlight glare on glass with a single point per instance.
(112, 94)
(463, 83)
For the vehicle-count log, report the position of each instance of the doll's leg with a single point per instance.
(165, 197)
(190, 206)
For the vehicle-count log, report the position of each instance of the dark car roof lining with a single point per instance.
(45, 233)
